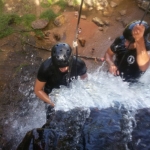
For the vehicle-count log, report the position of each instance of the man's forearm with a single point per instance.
(44, 97)
(109, 60)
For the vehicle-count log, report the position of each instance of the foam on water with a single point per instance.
(30, 115)
(100, 90)
(103, 90)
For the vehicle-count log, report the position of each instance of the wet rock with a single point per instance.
(106, 22)
(100, 28)
(82, 41)
(60, 20)
(64, 131)
(83, 17)
(124, 23)
(107, 13)
(118, 19)
(91, 8)
(39, 24)
(100, 8)
(109, 128)
(113, 4)
(144, 5)
(123, 12)
(98, 21)
(57, 36)
(96, 4)
(47, 33)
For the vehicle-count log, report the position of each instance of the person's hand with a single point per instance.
(138, 32)
(52, 104)
(113, 70)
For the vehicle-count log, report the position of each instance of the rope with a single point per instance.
(146, 11)
(75, 46)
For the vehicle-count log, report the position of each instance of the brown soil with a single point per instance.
(95, 39)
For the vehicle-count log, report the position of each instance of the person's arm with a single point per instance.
(83, 76)
(109, 59)
(142, 54)
(38, 89)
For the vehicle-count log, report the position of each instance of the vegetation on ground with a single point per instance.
(49, 15)
(27, 19)
(6, 21)
(9, 21)
(62, 4)
(1, 6)
(46, 4)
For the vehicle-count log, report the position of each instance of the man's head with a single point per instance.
(61, 53)
(127, 33)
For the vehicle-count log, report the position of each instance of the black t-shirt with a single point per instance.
(54, 77)
(125, 60)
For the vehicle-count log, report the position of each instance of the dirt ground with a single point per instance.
(11, 48)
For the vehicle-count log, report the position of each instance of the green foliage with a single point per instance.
(7, 20)
(62, 4)
(75, 2)
(5, 24)
(8, 31)
(50, 1)
(27, 7)
(1, 6)
(39, 33)
(49, 14)
(45, 5)
(28, 19)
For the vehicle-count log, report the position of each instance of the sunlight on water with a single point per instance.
(31, 114)
(103, 90)
(100, 90)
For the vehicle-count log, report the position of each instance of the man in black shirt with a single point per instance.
(130, 51)
(58, 70)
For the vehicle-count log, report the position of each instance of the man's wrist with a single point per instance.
(111, 64)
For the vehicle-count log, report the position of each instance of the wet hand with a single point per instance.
(138, 32)
(52, 104)
(114, 70)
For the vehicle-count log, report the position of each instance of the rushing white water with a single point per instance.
(100, 90)
(103, 90)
